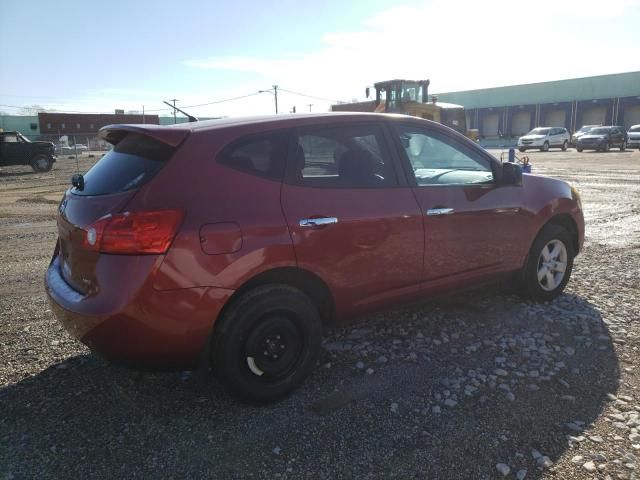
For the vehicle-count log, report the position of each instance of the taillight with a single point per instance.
(133, 232)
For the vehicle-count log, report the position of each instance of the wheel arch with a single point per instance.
(569, 224)
(309, 283)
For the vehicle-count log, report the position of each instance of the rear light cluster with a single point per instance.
(133, 233)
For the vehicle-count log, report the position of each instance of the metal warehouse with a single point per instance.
(509, 112)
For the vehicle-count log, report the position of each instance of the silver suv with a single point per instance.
(634, 136)
(544, 138)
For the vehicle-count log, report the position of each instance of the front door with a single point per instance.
(472, 225)
(351, 221)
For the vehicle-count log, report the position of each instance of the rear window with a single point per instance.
(134, 161)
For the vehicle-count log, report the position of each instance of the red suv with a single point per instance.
(231, 243)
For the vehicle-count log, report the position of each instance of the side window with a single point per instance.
(11, 138)
(344, 157)
(437, 160)
(261, 155)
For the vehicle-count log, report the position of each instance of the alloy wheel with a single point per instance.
(552, 265)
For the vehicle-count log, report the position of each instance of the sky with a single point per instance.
(89, 56)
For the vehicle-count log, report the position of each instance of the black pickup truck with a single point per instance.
(16, 149)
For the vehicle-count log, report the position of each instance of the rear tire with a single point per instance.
(579, 149)
(522, 149)
(41, 163)
(545, 147)
(549, 264)
(564, 146)
(623, 147)
(267, 342)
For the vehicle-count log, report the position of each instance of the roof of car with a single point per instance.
(174, 134)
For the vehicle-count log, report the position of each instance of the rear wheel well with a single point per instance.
(307, 282)
(564, 220)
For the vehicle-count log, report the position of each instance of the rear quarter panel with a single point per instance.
(209, 194)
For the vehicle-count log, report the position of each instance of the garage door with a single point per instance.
(593, 116)
(521, 123)
(555, 118)
(631, 116)
(490, 125)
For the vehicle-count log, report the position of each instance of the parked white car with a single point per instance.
(543, 138)
(634, 136)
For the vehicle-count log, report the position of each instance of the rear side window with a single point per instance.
(260, 155)
(132, 162)
(344, 157)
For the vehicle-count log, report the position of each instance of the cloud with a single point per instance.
(458, 45)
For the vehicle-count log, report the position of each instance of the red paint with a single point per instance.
(160, 309)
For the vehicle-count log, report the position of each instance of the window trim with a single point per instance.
(387, 147)
(472, 151)
(286, 132)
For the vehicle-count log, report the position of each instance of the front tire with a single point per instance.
(579, 149)
(267, 342)
(41, 163)
(549, 264)
(522, 149)
(545, 147)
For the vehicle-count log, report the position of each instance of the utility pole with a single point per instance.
(143, 114)
(174, 100)
(309, 105)
(275, 96)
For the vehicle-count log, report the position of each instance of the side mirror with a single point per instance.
(78, 181)
(511, 174)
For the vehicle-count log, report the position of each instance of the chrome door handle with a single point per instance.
(437, 212)
(318, 222)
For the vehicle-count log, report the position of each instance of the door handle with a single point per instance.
(437, 212)
(318, 222)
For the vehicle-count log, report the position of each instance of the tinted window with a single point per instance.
(437, 160)
(262, 155)
(345, 157)
(133, 162)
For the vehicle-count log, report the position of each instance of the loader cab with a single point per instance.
(392, 95)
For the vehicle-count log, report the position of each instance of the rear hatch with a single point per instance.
(137, 156)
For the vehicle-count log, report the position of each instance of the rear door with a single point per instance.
(352, 220)
(472, 225)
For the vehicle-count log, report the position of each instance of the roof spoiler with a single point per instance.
(169, 136)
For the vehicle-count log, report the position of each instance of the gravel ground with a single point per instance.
(475, 386)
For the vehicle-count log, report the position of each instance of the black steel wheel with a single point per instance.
(267, 342)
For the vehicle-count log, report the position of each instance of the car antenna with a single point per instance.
(190, 117)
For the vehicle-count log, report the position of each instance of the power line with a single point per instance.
(309, 96)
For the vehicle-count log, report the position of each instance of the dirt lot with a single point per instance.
(475, 386)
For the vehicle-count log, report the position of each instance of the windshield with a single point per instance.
(635, 128)
(584, 129)
(411, 92)
(22, 138)
(539, 131)
(599, 131)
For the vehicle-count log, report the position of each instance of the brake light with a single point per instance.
(131, 233)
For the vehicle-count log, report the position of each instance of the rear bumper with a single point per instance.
(132, 323)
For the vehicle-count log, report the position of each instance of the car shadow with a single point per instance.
(83, 417)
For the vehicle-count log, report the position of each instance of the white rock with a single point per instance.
(544, 462)
(360, 365)
(521, 474)
(589, 467)
(503, 469)
(277, 450)
(450, 403)
(577, 459)
(436, 409)
(394, 407)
